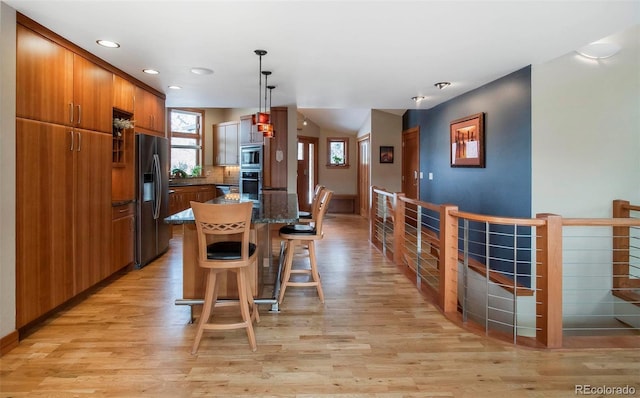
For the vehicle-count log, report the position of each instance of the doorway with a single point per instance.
(307, 170)
(364, 174)
(411, 163)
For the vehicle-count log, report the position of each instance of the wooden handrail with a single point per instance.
(430, 206)
(600, 222)
(531, 222)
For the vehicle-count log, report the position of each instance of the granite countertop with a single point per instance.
(276, 207)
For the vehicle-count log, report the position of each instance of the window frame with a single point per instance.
(345, 142)
(200, 141)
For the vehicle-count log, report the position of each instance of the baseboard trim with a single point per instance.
(9, 342)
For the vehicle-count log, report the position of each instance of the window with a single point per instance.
(187, 141)
(338, 152)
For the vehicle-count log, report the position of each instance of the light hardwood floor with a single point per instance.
(375, 336)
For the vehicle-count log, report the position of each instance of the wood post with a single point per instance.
(372, 216)
(398, 229)
(621, 246)
(448, 261)
(549, 281)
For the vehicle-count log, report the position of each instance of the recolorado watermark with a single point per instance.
(587, 389)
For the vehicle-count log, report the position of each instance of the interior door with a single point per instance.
(411, 171)
(307, 170)
(411, 162)
(364, 175)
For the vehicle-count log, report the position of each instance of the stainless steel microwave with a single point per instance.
(251, 157)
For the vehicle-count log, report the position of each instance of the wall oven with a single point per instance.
(250, 184)
(251, 157)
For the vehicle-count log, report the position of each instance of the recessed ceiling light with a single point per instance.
(599, 50)
(442, 85)
(108, 43)
(175, 87)
(418, 99)
(151, 71)
(201, 71)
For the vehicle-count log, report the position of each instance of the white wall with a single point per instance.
(366, 127)
(339, 180)
(8, 165)
(386, 130)
(586, 153)
(586, 132)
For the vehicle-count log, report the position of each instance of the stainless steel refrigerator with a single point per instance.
(152, 198)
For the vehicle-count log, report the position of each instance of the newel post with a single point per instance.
(549, 281)
(448, 262)
(372, 215)
(398, 228)
(621, 243)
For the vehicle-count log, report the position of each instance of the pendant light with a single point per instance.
(260, 118)
(266, 128)
(268, 132)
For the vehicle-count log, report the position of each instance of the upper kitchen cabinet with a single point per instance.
(64, 88)
(248, 132)
(149, 112)
(123, 94)
(225, 144)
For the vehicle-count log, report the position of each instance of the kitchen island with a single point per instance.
(273, 207)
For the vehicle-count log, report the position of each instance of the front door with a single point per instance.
(307, 170)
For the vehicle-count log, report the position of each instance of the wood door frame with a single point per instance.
(366, 137)
(406, 132)
(316, 165)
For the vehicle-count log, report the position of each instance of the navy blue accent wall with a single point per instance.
(503, 186)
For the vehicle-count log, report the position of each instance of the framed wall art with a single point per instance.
(386, 154)
(467, 141)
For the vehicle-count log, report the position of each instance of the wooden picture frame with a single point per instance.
(467, 141)
(386, 154)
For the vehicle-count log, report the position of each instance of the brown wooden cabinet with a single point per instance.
(248, 133)
(275, 151)
(149, 112)
(123, 235)
(61, 87)
(92, 203)
(225, 144)
(123, 94)
(182, 196)
(63, 214)
(123, 172)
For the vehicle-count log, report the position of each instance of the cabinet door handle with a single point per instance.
(79, 114)
(122, 210)
(71, 133)
(71, 112)
(79, 141)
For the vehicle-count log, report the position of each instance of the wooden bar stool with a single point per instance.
(231, 222)
(306, 216)
(293, 236)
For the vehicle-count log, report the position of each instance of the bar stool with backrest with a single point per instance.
(293, 236)
(306, 216)
(223, 245)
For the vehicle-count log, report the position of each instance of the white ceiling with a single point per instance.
(346, 57)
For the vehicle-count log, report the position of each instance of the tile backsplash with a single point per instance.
(222, 174)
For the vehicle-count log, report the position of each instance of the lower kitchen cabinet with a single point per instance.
(182, 196)
(123, 235)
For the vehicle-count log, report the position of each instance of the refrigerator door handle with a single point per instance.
(158, 186)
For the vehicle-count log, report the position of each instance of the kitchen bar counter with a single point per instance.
(273, 207)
